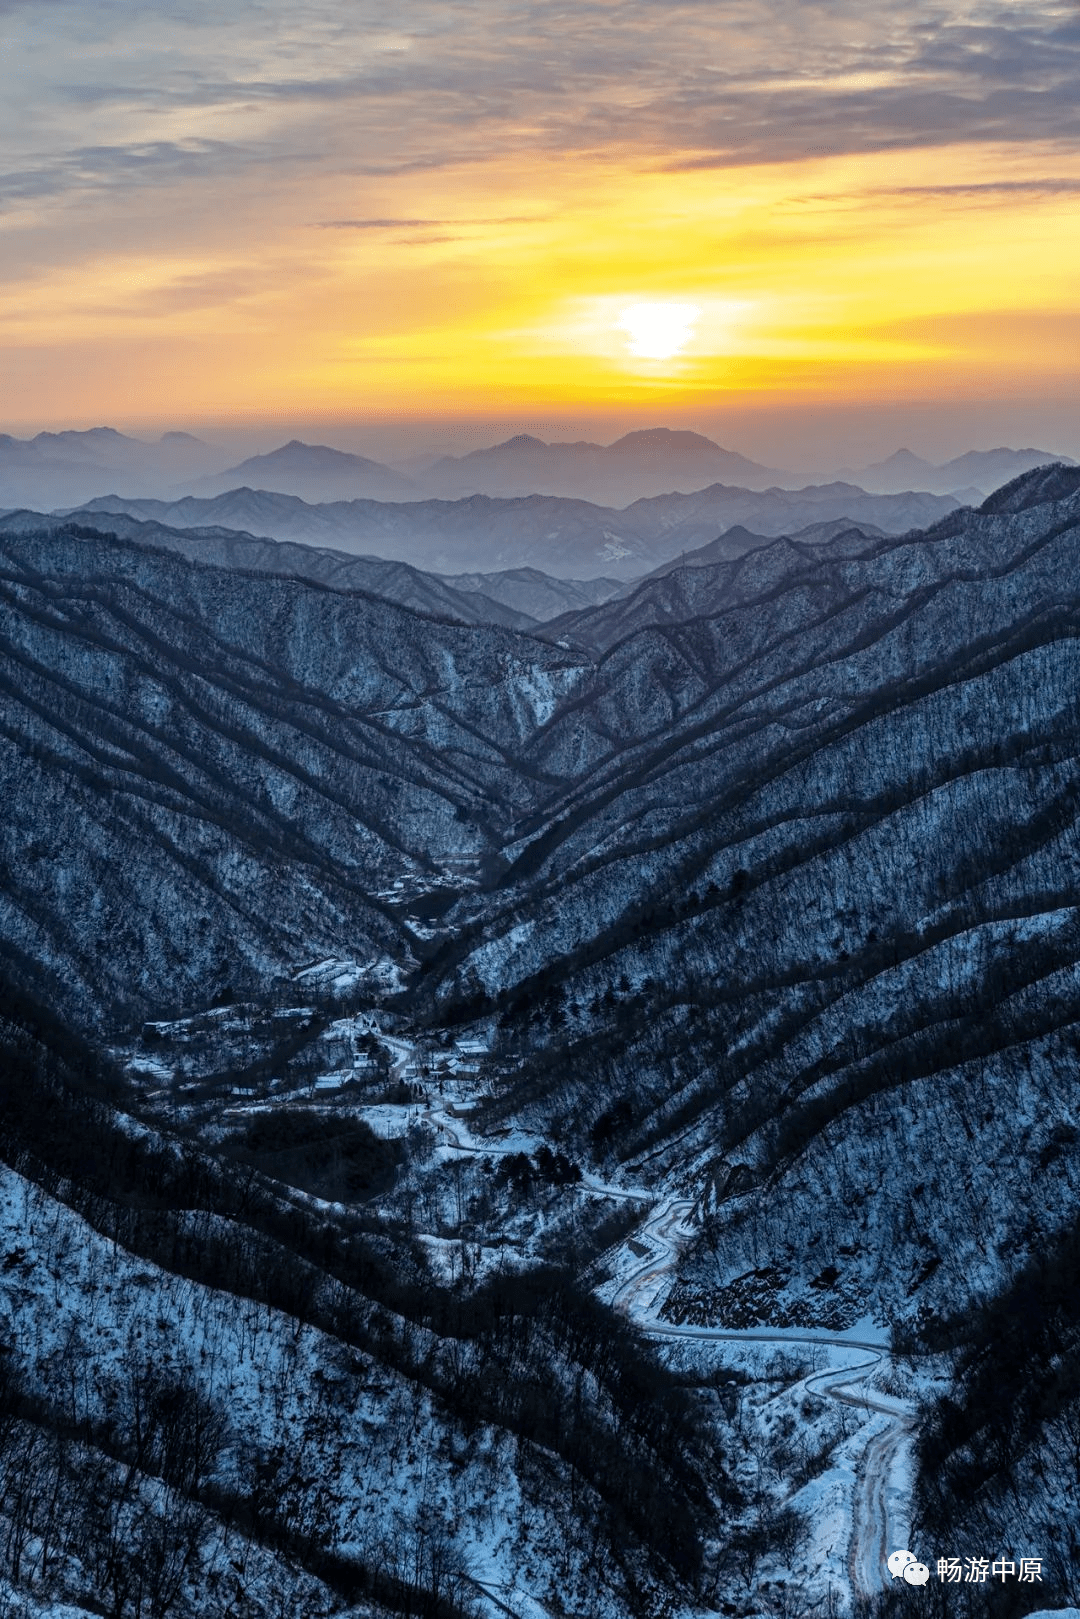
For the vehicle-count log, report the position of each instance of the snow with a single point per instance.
(274, 1376)
(343, 975)
(28, 1607)
(149, 1068)
(861, 1501)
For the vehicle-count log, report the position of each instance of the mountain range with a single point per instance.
(481, 598)
(653, 461)
(314, 472)
(64, 469)
(219, 725)
(976, 471)
(745, 898)
(57, 469)
(563, 538)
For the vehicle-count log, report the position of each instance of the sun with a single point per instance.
(656, 331)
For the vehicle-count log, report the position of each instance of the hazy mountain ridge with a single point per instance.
(313, 470)
(395, 581)
(983, 469)
(99, 447)
(564, 538)
(54, 469)
(68, 468)
(651, 461)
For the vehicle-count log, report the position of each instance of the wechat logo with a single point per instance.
(905, 1565)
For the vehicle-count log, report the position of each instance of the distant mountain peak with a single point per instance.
(669, 436)
(904, 458)
(297, 447)
(98, 433)
(648, 461)
(976, 470)
(311, 457)
(310, 471)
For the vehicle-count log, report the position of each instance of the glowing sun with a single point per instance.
(656, 331)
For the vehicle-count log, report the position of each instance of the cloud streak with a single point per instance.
(729, 83)
(430, 224)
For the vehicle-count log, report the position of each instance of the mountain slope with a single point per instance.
(678, 591)
(528, 591)
(227, 548)
(762, 904)
(217, 774)
(736, 541)
(516, 597)
(808, 886)
(219, 1396)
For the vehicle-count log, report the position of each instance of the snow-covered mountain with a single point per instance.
(711, 961)
(395, 581)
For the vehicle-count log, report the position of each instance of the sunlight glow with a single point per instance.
(532, 286)
(656, 331)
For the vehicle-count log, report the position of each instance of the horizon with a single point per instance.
(413, 442)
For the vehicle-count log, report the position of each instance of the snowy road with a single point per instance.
(879, 1505)
(875, 1532)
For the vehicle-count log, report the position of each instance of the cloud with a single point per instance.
(1047, 186)
(104, 167)
(184, 294)
(381, 224)
(729, 81)
(430, 224)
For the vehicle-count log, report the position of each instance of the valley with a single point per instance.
(431, 1092)
(579, 1111)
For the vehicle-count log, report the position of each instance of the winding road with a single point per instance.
(878, 1507)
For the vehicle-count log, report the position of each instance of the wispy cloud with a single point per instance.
(380, 224)
(430, 224)
(1047, 186)
(102, 167)
(741, 81)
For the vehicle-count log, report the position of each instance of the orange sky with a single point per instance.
(270, 229)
